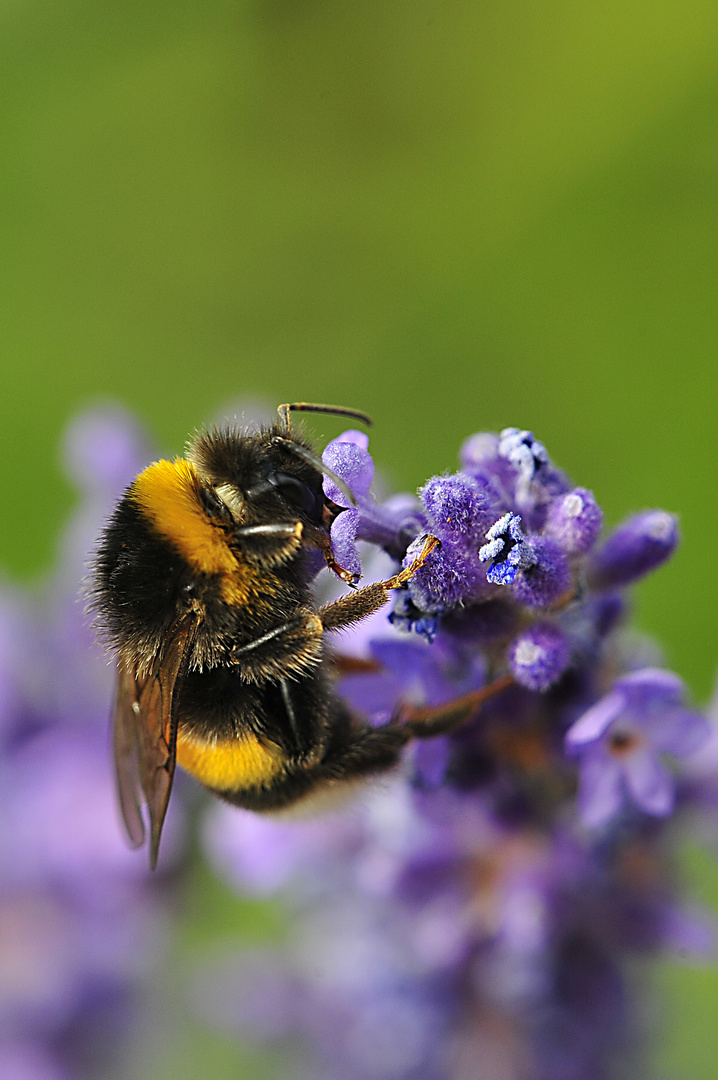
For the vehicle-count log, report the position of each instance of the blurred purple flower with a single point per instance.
(79, 923)
(620, 741)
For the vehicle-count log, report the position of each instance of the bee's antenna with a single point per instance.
(313, 459)
(332, 410)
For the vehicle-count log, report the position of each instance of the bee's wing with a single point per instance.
(126, 740)
(145, 734)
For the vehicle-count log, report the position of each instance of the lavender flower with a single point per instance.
(461, 920)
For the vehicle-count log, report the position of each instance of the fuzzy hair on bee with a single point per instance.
(202, 589)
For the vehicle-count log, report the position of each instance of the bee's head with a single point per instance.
(262, 476)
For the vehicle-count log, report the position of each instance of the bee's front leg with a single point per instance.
(268, 545)
(357, 605)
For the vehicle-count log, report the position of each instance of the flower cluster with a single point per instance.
(475, 913)
(79, 922)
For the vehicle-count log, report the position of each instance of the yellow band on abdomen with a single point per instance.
(229, 765)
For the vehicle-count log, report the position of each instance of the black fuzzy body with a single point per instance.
(254, 665)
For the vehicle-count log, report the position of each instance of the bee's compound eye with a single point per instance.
(213, 505)
(295, 492)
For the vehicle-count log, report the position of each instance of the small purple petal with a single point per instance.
(651, 686)
(682, 732)
(431, 758)
(649, 782)
(593, 724)
(600, 794)
(635, 548)
(574, 521)
(344, 541)
(353, 464)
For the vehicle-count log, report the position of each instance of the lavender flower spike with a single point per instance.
(455, 921)
(620, 740)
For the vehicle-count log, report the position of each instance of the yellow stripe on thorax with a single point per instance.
(167, 492)
(229, 765)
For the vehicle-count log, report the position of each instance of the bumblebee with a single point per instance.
(202, 588)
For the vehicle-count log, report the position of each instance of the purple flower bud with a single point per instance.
(607, 610)
(478, 451)
(104, 448)
(539, 656)
(480, 459)
(636, 547)
(450, 576)
(574, 521)
(459, 507)
(547, 577)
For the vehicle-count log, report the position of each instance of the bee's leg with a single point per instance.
(362, 750)
(359, 749)
(321, 539)
(288, 650)
(268, 545)
(424, 722)
(357, 605)
(352, 665)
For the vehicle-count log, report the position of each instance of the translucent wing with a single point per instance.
(145, 734)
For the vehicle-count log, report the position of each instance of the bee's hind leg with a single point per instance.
(424, 722)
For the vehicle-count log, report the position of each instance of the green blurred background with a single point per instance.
(457, 215)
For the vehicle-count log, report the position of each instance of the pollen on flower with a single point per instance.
(507, 549)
